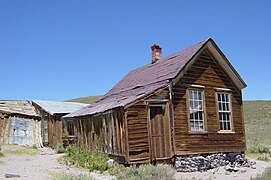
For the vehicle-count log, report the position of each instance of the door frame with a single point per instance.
(165, 106)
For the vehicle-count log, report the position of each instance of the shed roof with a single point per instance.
(149, 78)
(54, 107)
(18, 107)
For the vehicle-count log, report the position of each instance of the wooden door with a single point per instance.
(159, 133)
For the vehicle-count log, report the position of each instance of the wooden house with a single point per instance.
(19, 123)
(187, 103)
(52, 129)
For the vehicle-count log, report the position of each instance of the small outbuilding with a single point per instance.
(187, 103)
(19, 123)
(53, 131)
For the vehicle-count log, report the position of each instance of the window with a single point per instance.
(71, 128)
(224, 111)
(196, 110)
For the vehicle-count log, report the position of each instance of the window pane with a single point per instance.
(192, 124)
(223, 98)
(227, 107)
(191, 105)
(201, 125)
(200, 105)
(196, 116)
(196, 105)
(227, 97)
(220, 106)
(228, 117)
(200, 116)
(190, 95)
(223, 107)
(225, 125)
(229, 126)
(219, 96)
(191, 116)
(200, 98)
(195, 95)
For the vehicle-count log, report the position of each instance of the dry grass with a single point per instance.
(16, 150)
(70, 176)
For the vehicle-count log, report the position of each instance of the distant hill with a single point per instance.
(87, 100)
(257, 115)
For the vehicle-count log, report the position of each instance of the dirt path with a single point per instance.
(39, 167)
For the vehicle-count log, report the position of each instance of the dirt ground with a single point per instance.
(45, 164)
(39, 167)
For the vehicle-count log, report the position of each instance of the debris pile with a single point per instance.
(193, 163)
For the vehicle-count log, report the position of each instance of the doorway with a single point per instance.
(160, 134)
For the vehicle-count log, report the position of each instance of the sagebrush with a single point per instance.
(81, 157)
(147, 172)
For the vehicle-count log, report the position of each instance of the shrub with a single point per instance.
(260, 148)
(69, 176)
(264, 157)
(82, 157)
(60, 149)
(116, 169)
(147, 172)
(266, 175)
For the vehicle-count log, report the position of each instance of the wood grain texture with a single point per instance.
(206, 72)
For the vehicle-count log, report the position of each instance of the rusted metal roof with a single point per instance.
(141, 82)
(18, 107)
(54, 107)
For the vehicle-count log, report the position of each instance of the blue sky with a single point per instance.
(63, 49)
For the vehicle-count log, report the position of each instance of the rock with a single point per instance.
(242, 170)
(227, 173)
(235, 169)
(12, 176)
(110, 162)
(228, 168)
(57, 167)
(253, 167)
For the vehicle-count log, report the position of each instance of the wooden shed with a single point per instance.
(187, 103)
(19, 123)
(52, 129)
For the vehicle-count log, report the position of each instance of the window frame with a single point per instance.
(195, 131)
(222, 91)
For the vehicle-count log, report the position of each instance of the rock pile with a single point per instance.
(193, 163)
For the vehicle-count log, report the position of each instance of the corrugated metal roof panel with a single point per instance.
(54, 107)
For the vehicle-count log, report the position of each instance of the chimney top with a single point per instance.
(156, 53)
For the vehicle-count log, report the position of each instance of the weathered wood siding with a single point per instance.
(105, 133)
(4, 128)
(138, 130)
(55, 127)
(10, 123)
(205, 71)
(55, 130)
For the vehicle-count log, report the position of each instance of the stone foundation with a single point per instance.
(193, 163)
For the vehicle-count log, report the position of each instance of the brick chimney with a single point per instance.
(156, 53)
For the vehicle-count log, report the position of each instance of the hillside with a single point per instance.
(258, 122)
(87, 100)
(257, 116)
